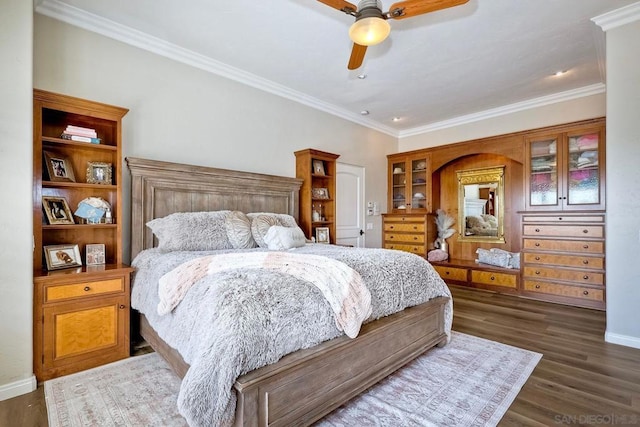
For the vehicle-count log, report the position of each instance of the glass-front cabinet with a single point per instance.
(409, 183)
(565, 171)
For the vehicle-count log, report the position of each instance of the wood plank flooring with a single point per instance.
(581, 380)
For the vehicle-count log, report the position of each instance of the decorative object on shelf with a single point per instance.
(320, 193)
(80, 134)
(58, 167)
(95, 254)
(316, 215)
(444, 222)
(398, 170)
(322, 234)
(421, 165)
(318, 167)
(99, 173)
(93, 209)
(62, 256)
(57, 210)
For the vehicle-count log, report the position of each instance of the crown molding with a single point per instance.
(507, 109)
(618, 17)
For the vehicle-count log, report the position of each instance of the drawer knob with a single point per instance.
(537, 286)
(585, 247)
(446, 272)
(585, 293)
(415, 237)
(415, 227)
(492, 278)
(87, 289)
(391, 227)
(585, 262)
(560, 219)
(585, 231)
(390, 237)
(121, 306)
(537, 272)
(537, 258)
(537, 230)
(537, 244)
(585, 277)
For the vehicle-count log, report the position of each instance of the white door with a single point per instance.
(350, 209)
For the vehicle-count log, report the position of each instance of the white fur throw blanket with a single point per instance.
(239, 320)
(340, 284)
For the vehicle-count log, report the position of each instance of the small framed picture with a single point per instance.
(320, 193)
(322, 234)
(62, 256)
(318, 167)
(57, 210)
(58, 167)
(99, 173)
(95, 254)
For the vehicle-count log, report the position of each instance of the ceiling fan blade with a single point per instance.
(357, 56)
(409, 8)
(341, 5)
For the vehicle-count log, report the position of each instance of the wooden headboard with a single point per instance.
(162, 188)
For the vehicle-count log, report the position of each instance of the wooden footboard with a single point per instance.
(306, 385)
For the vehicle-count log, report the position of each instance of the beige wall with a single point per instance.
(16, 373)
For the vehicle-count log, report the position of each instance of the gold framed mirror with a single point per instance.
(481, 205)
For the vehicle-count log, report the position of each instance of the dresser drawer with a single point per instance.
(564, 260)
(567, 275)
(416, 249)
(564, 290)
(404, 227)
(84, 289)
(564, 245)
(562, 218)
(451, 273)
(595, 231)
(493, 278)
(404, 238)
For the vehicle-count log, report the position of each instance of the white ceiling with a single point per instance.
(434, 70)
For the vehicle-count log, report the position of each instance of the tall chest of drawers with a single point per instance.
(563, 258)
(406, 232)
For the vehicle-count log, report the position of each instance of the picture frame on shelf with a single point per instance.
(318, 167)
(62, 256)
(99, 173)
(57, 210)
(322, 234)
(59, 167)
(320, 193)
(95, 254)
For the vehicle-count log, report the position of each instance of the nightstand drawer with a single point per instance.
(493, 278)
(564, 290)
(451, 273)
(399, 226)
(565, 245)
(596, 231)
(415, 249)
(84, 289)
(567, 275)
(404, 238)
(564, 260)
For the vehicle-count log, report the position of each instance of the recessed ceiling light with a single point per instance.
(364, 112)
(362, 76)
(396, 119)
(559, 73)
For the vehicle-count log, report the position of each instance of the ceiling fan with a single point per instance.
(371, 26)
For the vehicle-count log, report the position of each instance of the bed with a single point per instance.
(303, 385)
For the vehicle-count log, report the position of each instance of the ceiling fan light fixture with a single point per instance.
(370, 27)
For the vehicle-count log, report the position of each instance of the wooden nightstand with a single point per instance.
(81, 319)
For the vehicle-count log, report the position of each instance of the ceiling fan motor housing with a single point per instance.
(369, 9)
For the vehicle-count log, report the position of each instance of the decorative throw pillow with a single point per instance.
(281, 238)
(238, 226)
(260, 225)
(191, 231)
(514, 261)
(499, 259)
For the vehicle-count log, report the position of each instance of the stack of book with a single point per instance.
(80, 134)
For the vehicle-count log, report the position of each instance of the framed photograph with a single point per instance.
(58, 167)
(318, 167)
(320, 193)
(57, 210)
(62, 256)
(322, 234)
(99, 173)
(95, 254)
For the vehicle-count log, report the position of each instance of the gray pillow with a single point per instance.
(499, 259)
(238, 226)
(191, 231)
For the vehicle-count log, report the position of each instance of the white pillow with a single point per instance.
(281, 238)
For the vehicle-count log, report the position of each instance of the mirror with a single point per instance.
(481, 205)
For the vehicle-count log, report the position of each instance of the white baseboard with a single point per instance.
(7, 391)
(622, 340)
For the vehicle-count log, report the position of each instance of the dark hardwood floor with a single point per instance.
(581, 380)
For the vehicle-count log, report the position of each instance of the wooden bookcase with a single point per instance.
(318, 170)
(81, 314)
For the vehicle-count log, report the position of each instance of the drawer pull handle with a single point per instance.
(537, 230)
(537, 271)
(560, 219)
(585, 293)
(537, 286)
(447, 273)
(121, 306)
(415, 237)
(391, 227)
(537, 244)
(87, 289)
(585, 277)
(585, 231)
(390, 237)
(492, 278)
(415, 227)
(585, 262)
(585, 247)
(537, 258)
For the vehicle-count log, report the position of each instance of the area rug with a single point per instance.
(470, 382)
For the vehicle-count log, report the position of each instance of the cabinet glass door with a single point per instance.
(399, 179)
(543, 169)
(583, 185)
(419, 183)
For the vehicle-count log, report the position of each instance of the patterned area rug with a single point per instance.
(470, 382)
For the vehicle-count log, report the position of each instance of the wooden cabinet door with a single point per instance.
(410, 183)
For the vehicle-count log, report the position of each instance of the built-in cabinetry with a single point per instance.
(409, 178)
(406, 232)
(563, 258)
(317, 169)
(81, 314)
(469, 273)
